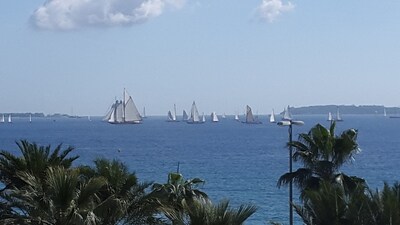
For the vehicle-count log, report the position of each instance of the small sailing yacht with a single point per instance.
(330, 117)
(2, 120)
(214, 117)
(194, 115)
(286, 114)
(185, 116)
(237, 117)
(384, 112)
(203, 118)
(272, 117)
(250, 119)
(338, 117)
(30, 118)
(223, 116)
(9, 118)
(172, 116)
(144, 113)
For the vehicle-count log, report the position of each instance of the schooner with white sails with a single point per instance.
(123, 111)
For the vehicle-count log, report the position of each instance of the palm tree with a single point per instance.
(123, 198)
(176, 193)
(205, 213)
(35, 160)
(385, 205)
(322, 154)
(62, 198)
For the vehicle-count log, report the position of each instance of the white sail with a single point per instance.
(338, 117)
(174, 115)
(287, 115)
(223, 116)
(131, 113)
(120, 113)
(330, 116)
(214, 117)
(384, 112)
(203, 118)
(194, 115)
(144, 112)
(170, 117)
(2, 119)
(108, 115)
(272, 117)
(9, 118)
(30, 118)
(185, 116)
(237, 117)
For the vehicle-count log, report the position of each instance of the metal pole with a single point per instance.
(290, 171)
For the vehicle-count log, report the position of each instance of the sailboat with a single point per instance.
(214, 117)
(272, 117)
(9, 118)
(223, 116)
(194, 115)
(172, 116)
(330, 117)
(2, 119)
(30, 118)
(250, 118)
(144, 113)
(237, 117)
(384, 112)
(185, 116)
(286, 114)
(124, 111)
(338, 117)
(203, 118)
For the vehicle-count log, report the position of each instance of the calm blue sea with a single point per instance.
(240, 162)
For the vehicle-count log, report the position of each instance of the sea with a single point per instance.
(240, 162)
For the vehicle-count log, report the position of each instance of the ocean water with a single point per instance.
(239, 162)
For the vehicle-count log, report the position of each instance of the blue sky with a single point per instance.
(77, 56)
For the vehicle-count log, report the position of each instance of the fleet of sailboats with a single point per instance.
(124, 111)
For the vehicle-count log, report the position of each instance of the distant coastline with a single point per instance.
(345, 109)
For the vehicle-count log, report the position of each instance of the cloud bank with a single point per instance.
(76, 14)
(269, 10)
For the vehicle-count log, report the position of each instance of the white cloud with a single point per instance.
(270, 9)
(75, 14)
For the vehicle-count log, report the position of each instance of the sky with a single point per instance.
(77, 56)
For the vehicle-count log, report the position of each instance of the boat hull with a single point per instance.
(131, 122)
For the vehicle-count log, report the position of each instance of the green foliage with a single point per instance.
(322, 154)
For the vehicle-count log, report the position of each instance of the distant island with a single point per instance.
(56, 115)
(345, 109)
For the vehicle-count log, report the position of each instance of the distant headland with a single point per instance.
(345, 109)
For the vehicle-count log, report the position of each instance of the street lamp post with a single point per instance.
(290, 124)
